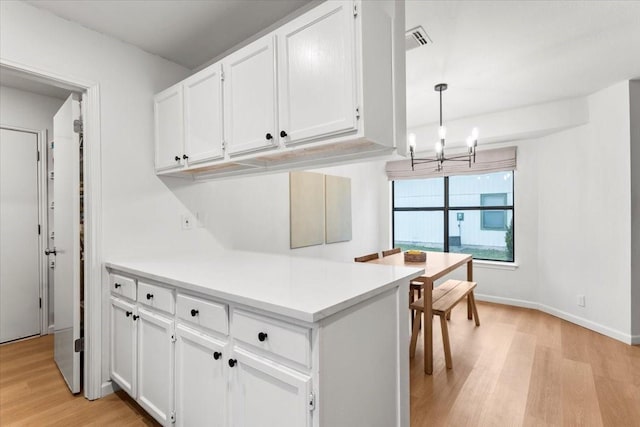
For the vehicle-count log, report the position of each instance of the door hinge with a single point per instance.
(38, 156)
(224, 145)
(39, 229)
(355, 9)
(172, 416)
(222, 75)
(357, 113)
(173, 337)
(40, 302)
(312, 401)
(77, 126)
(78, 345)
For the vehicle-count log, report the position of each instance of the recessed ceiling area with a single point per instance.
(188, 32)
(497, 55)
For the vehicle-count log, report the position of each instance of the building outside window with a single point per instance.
(470, 214)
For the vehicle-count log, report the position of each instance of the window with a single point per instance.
(464, 213)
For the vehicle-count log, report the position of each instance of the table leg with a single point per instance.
(427, 327)
(469, 279)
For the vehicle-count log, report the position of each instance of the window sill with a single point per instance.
(495, 265)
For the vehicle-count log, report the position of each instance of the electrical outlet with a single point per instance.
(187, 222)
(581, 300)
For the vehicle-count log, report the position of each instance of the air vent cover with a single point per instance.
(416, 37)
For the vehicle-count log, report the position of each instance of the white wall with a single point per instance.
(252, 213)
(140, 214)
(30, 111)
(634, 95)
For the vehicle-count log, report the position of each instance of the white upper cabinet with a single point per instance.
(203, 115)
(316, 73)
(250, 97)
(169, 131)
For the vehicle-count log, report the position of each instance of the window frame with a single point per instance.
(483, 227)
(447, 208)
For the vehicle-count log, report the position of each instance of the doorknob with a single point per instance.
(50, 251)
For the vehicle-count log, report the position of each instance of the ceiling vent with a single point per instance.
(416, 37)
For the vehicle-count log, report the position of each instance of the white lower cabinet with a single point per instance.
(123, 344)
(201, 379)
(155, 364)
(267, 394)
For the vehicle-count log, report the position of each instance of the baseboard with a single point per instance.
(51, 329)
(107, 388)
(507, 301)
(585, 323)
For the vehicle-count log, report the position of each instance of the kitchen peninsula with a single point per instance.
(251, 339)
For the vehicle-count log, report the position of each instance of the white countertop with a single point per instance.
(307, 289)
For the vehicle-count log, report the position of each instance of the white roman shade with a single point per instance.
(487, 161)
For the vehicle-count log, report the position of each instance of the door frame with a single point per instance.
(92, 213)
(41, 179)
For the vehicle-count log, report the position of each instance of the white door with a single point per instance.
(19, 252)
(155, 364)
(66, 223)
(316, 73)
(203, 115)
(169, 135)
(267, 395)
(201, 381)
(123, 345)
(250, 98)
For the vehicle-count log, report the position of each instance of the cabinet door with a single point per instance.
(122, 364)
(266, 394)
(316, 73)
(201, 382)
(250, 97)
(155, 364)
(203, 115)
(168, 128)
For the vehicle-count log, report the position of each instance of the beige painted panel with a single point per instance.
(338, 208)
(306, 208)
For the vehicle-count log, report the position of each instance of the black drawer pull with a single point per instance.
(217, 355)
(232, 363)
(128, 313)
(194, 312)
(135, 317)
(117, 285)
(149, 296)
(262, 336)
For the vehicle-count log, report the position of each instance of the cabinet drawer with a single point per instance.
(203, 313)
(157, 297)
(280, 338)
(123, 286)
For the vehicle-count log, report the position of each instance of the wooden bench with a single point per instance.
(445, 297)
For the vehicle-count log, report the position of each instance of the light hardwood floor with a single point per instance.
(520, 368)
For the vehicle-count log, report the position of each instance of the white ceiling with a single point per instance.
(497, 55)
(19, 80)
(188, 32)
(494, 55)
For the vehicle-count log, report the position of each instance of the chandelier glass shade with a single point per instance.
(440, 157)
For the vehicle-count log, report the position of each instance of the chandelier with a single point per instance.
(440, 158)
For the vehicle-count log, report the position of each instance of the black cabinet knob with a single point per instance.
(177, 158)
(128, 313)
(117, 285)
(217, 355)
(283, 133)
(149, 296)
(50, 252)
(135, 317)
(262, 336)
(184, 156)
(232, 363)
(269, 136)
(194, 312)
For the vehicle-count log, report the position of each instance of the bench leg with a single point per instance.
(414, 333)
(445, 341)
(469, 306)
(472, 299)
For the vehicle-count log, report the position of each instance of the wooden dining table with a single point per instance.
(437, 265)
